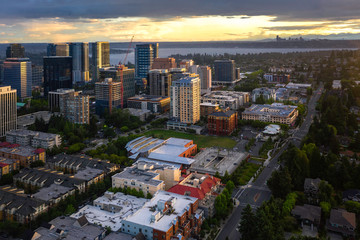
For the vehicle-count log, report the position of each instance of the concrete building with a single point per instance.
(110, 209)
(274, 113)
(100, 58)
(69, 228)
(159, 82)
(80, 61)
(163, 63)
(173, 150)
(222, 122)
(128, 79)
(135, 178)
(18, 75)
(156, 104)
(144, 58)
(54, 98)
(33, 138)
(8, 112)
(185, 100)
(224, 72)
(75, 107)
(166, 216)
(186, 63)
(37, 76)
(265, 93)
(58, 49)
(57, 73)
(201, 186)
(15, 50)
(226, 99)
(21, 156)
(107, 95)
(18, 207)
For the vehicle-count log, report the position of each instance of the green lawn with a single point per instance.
(201, 140)
(246, 172)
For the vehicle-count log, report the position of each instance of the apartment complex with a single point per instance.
(17, 156)
(227, 99)
(100, 58)
(163, 63)
(75, 107)
(33, 138)
(18, 75)
(277, 78)
(155, 104)
(274, 113)
(159, 82)
(264, 92)
(222, 122)
(165, 216)
(107, 95)
(57, 73)
(185, 100)
(8, 111)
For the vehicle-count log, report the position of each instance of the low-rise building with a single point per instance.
(172, 150)
(110, 209)
(278, 78)
(156, 104)
(307, 215)
(208, 108)
(201, 186)
(342, 222)
(222, 122)
(69, 228)
(24, 155)
(33, 138)
(142, 114)
(16, 206)
(264, 92)
(274, 113)
(131, 177)
(90, 175)
(166, 216)
(227, 99)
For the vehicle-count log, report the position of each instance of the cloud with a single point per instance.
(157, 9)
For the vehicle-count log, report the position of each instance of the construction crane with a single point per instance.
(121, 67)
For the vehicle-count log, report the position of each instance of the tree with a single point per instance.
(280, 183)
(248, 224)
(230, 186)
(69, 209)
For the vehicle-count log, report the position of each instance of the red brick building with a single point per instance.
(222, 122)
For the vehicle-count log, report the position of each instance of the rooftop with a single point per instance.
(35, 134)
(88, 173)
(275, 109)
(151, 214)
(52, 192)
(148, 98)
(126, 205)
(132, 173)
(19, 150)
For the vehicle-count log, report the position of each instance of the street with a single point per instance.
(258, 192)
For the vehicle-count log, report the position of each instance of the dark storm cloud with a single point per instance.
(158, 9)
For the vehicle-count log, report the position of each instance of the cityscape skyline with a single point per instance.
(65, 21)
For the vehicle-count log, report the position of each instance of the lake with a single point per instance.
(166, 52)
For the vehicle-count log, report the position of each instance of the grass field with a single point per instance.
(246, 172)
(201, 140)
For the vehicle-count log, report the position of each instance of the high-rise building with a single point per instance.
(204, 74)
(144, 57)
(54, 98)
(224, 72)
(185, 100)
(163, 63)
(57, 73)
(178, 73)
(8, 112)
(58, 49)
(107, 95)
(128, 80)
(159, 82)
(18, 75)
(37, 75)
(75, 107)
(100, 58)
(80, 59)
(15, 50)
(1, 71)
(186, 63)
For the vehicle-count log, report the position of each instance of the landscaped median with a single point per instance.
(201, 140)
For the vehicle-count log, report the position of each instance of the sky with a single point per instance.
(175, 20)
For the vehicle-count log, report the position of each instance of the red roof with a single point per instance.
(198, 192)
(39, 150)
(13, 145)
(3, 164)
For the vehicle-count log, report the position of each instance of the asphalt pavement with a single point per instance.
(258, 192)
